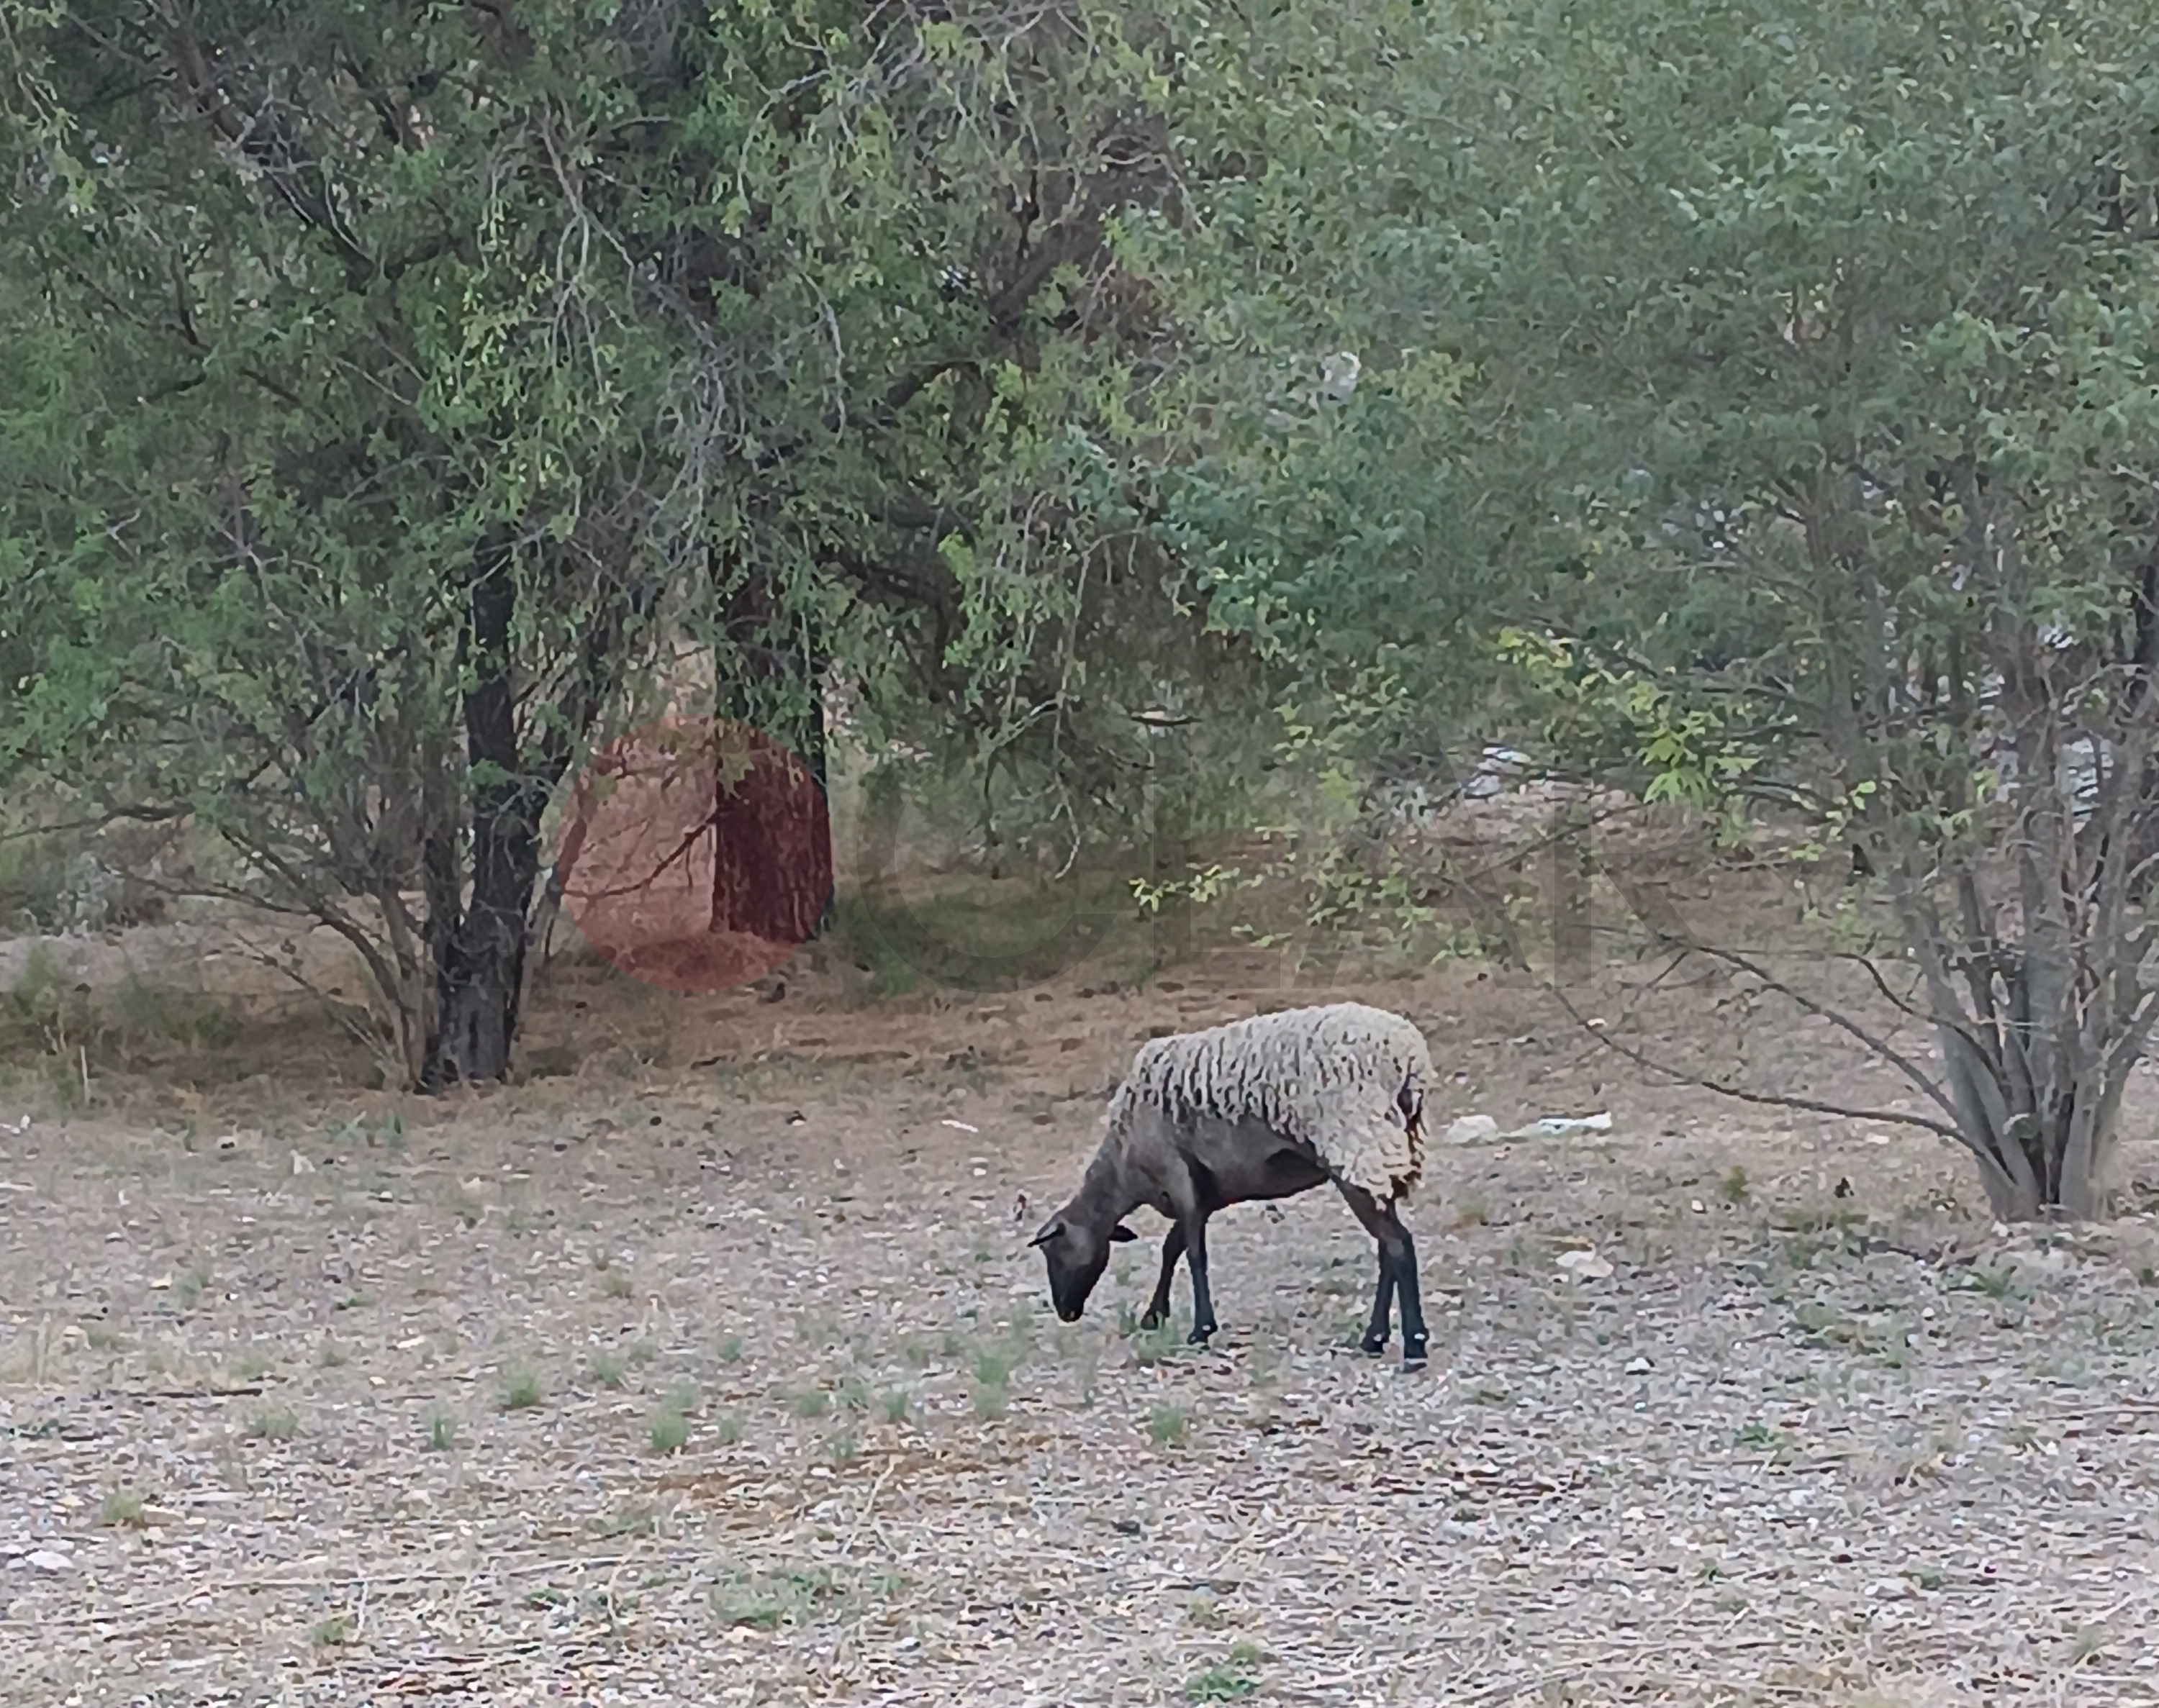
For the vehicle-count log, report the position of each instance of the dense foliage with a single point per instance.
(393, 389)
(1803, 446)
(1744, 402)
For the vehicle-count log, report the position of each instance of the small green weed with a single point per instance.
(441, 1430)
(1169, 1425)
(607, 1369)
(520, 1390)
(1220, 1683)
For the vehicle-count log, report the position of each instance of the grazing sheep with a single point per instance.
(1259, 1109)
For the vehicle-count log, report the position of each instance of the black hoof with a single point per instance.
(1372, 1348)
(1151, 1321)
(1198, 1336)
(1413, 1356)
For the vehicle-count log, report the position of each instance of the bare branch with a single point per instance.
(1775, 1100)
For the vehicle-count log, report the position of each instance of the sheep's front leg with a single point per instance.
(1397, 1275)
(1172, 1248)
(1203, 1300)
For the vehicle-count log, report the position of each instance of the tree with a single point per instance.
(1803, 378)
(358, 464)
(398, 380)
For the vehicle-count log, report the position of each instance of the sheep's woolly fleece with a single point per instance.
(1328, 1075)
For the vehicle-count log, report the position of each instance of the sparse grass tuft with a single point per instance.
(812, 1402)
(331, 1356)
(441, 1430)
(669, 1431)
(895, 1406)
(1169, 1425)
(771, 1600)
(332, 1633)
(727, 1427)
(274, 1423)
(628, 1521)
(1155, 1346)
(992, 1382)
(731, 1349)
(1734, 1185)
(607, 1369)
(123, 1507)
(520, 1390)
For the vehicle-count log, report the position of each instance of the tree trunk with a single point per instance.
(772, 856)
(772, 865)
(481, 959)
(2050, 1161)
(816, 755)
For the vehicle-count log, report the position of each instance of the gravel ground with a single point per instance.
(735, 1383)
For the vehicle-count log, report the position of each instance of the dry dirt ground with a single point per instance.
(717, 1372)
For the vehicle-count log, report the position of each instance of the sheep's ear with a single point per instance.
(1119, 1234)
(1049, 1231)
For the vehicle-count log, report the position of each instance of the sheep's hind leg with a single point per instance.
(1383, 1302)
(1172, 1248)
(1398, 1276)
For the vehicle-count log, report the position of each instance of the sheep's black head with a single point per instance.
(1076, 1256)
